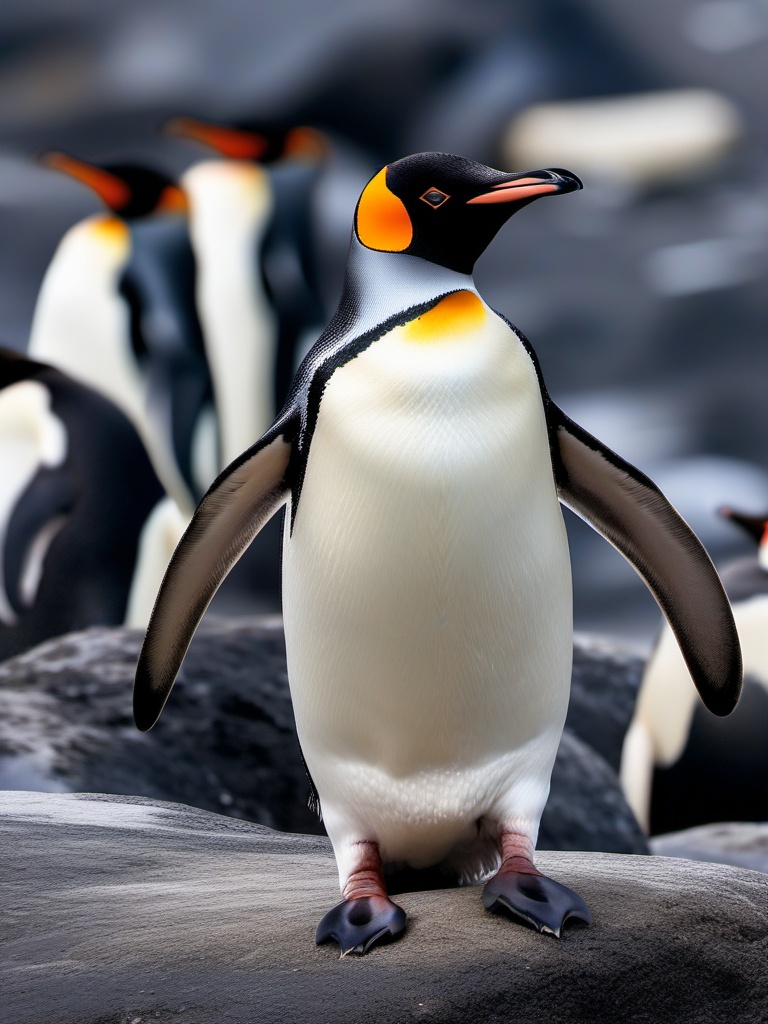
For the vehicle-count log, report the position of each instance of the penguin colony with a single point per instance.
(426, 577)
(167, 305)
(420, 460)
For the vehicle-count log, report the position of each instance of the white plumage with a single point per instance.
(428, 556)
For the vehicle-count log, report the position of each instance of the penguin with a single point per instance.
(84, 519)
(426, 572)
(251, 220)
(681, 768)
(116, 309)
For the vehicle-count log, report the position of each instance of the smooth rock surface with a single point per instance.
(741, 843)
(586, 809)
(226, 741)
(119, 910)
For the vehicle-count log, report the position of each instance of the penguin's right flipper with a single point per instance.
(627, 508)
(238, 504)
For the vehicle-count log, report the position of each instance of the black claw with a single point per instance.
(358, 924)
(538, 900)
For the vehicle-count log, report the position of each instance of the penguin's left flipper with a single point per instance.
(237, 505)
(629, 510)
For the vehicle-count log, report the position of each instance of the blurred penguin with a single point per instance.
(117, 310)
(252, 215)
(85, 527)
(681, 767)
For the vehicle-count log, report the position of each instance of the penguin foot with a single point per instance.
(539, 901)
(360, 923)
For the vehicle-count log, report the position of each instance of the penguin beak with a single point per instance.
(755, 526)
(529, 185)
(115, 193)
(172, 200)
(230, 142)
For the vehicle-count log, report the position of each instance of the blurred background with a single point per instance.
(645, 295)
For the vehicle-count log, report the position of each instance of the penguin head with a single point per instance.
(755, 526)
(259, 142)
(129, 190)
(447, 209)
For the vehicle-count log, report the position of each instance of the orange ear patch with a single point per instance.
(382, 219)
(456, 314)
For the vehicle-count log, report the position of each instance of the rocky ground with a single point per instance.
(742, 843)
(129, 911)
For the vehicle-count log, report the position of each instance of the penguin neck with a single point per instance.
(762, 554)
(379, 285)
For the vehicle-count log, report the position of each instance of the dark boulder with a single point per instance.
(604, 688)
(226, 741)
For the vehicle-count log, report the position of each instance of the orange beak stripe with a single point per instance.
(306, 143)
(172, 200)
(230, 142)
(513, 191)
(115, 193)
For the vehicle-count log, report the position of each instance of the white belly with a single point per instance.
(427, 593)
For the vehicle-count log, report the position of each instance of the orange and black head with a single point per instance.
(257, 141)
(446, 209)
(129, 190)
(755, 526)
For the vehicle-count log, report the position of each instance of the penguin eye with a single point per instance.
(434, 197)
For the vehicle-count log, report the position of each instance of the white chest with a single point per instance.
(427, 581)
(81, 322)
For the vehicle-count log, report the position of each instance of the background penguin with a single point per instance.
(259, 281)
(426, 577)
(117, 310)
(84, 522)
(680, 767)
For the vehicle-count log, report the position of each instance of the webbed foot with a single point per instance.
(359, 923)
(536, 899)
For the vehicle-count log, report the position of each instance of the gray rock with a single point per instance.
(119, 910)
(586, 809)
(741, 843)
(226, 741)
(604, 688)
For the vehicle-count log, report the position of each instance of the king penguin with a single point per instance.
(680, 767)
(117, 310)
(251, 220)
(426, 573)
(84, 521)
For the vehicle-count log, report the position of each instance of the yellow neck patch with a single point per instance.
(382, 219)
(456, 314)
(110, 230)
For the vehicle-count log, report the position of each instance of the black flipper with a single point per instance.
(42, 509)
(539, 901)
(359, 924)
(238, 504)
(629, 510)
